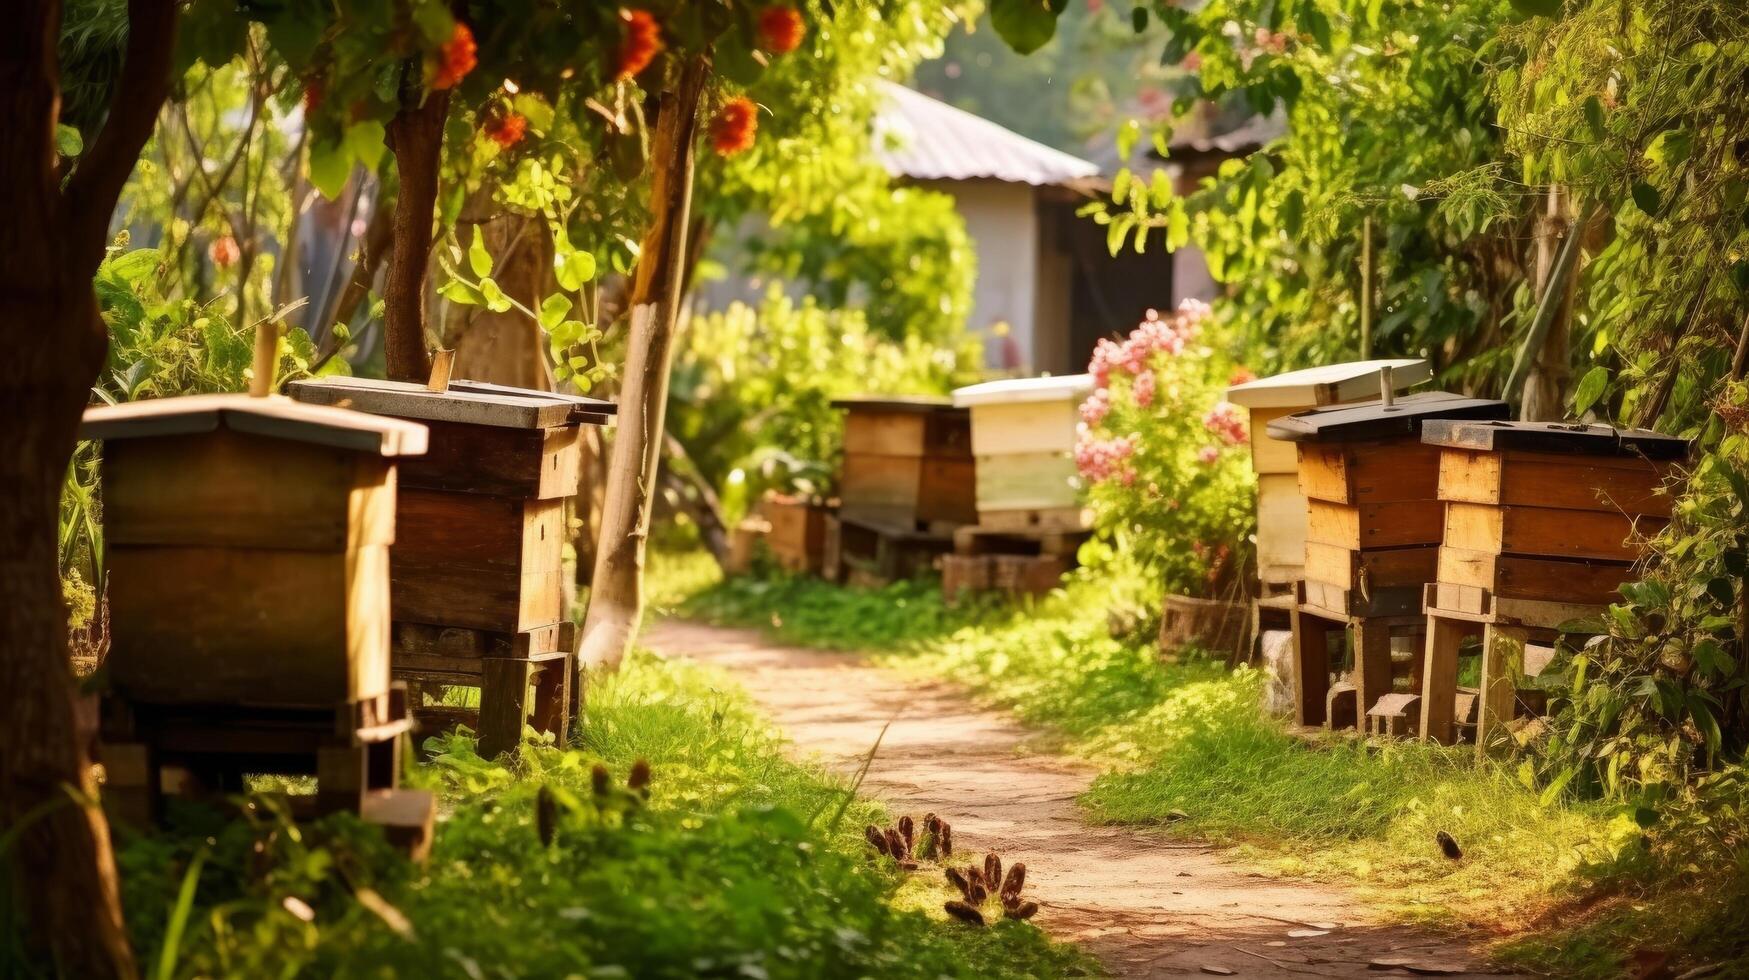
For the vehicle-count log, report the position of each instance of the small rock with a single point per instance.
(1430, 969)
(1217, 970)
(1390, 962)
(1307, 933)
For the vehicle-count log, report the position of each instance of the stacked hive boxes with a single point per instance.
(477, 579)
(907, 463)
(1543, 522)
(1372, 531)
(1373, 515)
(1281, 508)
(248, 559)
(1023, 435)
(1545, 512)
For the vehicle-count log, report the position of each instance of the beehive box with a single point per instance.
(907, 463)
(796, 533)
(1023, 436)
(1373, 516)
(476, 578)
(248, 573)
(1547, 512)
(1281, 508)
(248, 549)
(482, 524)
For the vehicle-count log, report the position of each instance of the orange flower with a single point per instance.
(456, 58)
(641, 45)
(224, 252)
(506, 129)
(735, 125)
(781, 29)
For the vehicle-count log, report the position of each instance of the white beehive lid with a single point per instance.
(1329, 384)
(1014, 391)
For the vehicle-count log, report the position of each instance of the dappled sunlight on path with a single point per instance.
(1145, 905)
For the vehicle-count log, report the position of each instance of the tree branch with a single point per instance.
(144, 83)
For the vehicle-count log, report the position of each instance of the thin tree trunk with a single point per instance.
(62, 875)
(698, 498)
(1545, 386)
(415, 136)
(616, 597)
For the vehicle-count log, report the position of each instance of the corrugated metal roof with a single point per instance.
(923, 139)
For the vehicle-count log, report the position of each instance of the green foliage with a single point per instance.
(1379, 108)
(1638, 107)
(158, 347)
(752, 389)
(737, 866)
(1165, 458)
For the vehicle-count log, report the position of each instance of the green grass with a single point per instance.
(1569, 886)
(742, 864)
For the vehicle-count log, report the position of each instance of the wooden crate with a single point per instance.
(1024, 432)
(907, 462)
(248, 570)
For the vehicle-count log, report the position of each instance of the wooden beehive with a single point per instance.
(248, 549)
(907, 463)
(1546, 512)
(476, 573)
(1373, 516)
(1023, 437)
(1281, 507)
(796, 533)
(248, 580)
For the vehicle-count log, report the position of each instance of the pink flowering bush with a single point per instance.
(1165, 458)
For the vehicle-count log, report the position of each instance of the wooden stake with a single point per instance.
(1366, 288)
(266, 358)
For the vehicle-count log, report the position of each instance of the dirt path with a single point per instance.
(1146, 906)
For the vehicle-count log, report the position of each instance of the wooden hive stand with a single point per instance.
(1281, 507)
(1372, 528)
(1543, 522)
(477, 576)
(907, 482)
(248, 558)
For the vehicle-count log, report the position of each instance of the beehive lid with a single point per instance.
(466, 402)
(1576, 438)
(920, 404)
(275, 416)
(1015, 391)
(1376, 420)
(1328, 384)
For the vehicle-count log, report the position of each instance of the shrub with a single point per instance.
(1164, 457)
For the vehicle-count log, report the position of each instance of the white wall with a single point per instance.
(1002, 221)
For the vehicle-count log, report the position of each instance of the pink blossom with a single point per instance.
(1208, 454)
(1103, 459)
(1143, 389)
(1094, 409)
(1106, 355)
(1227, 421)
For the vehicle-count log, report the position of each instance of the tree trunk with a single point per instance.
(1545, 386)
(415, 136)
(62, 875)
(504, 348)
(698, 498)
(616, 589)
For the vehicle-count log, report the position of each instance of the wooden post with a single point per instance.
(616, 599)
(1439, 677)
(1502, 675)
(1311, 667)
(1545, 382)
(1372, 664)
(1366, 288)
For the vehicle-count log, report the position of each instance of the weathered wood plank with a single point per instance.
(1546, 532)
(1545, 579)
(1371, 570)
(1389, 525)
(506, 462)
(478, 561)
(1621, 485)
